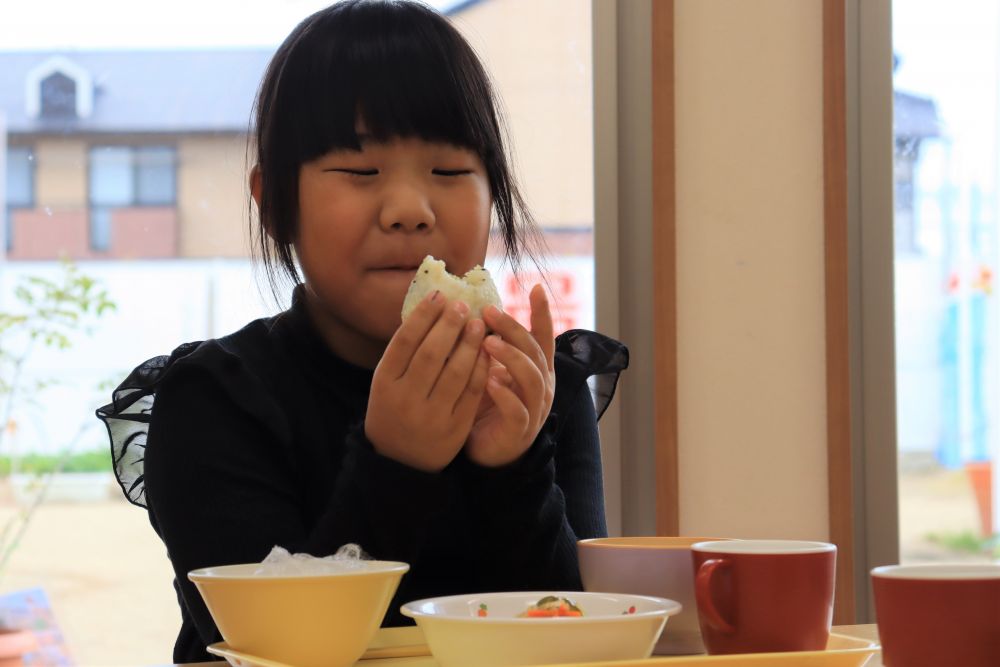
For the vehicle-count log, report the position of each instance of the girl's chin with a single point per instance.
(382, 329)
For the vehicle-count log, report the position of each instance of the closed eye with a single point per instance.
(355, 172)
(451, 172)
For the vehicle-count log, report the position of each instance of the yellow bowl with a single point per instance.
(309, 620)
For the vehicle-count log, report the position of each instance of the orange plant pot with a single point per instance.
(981, 476)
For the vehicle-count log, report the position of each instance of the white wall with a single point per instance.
(752, 428)
(160, 304)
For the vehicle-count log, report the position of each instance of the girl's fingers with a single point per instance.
(522, 370)
(508, 328)
(410, 334)
(541, 324)
(468, 403)
(502, 374)
(510, 406)
(432, 353)
(455, 375)
(511, 331)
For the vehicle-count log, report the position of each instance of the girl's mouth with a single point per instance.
(396, 273)
(398, 269)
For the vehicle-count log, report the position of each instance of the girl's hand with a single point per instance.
(427, 386)
(521, 385)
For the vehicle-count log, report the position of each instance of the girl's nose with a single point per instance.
(406, 208)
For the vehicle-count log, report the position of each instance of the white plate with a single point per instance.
(388, 643)
(237, 659)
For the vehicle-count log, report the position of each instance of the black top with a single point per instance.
(258, 441)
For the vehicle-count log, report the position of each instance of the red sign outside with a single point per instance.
(564, 298)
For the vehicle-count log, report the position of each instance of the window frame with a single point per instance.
(623, 258)
(871, 242)
(861, 435)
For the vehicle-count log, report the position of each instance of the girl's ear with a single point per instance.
(256, 190)
(256, 184)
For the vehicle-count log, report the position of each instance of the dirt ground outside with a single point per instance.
(937, 502)
(109, 581)
(107, 578)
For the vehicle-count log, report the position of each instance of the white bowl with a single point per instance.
(613, 627)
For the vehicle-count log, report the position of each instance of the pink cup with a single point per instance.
(657, 566)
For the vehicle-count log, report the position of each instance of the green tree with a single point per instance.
(46, 313)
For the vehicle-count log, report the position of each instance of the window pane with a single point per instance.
(946, 203)
(546, 89)
(155, 175)
(111, 176)
(100, 228)
(20, 177)
(163, 153)
(58, 96)
(20, 189)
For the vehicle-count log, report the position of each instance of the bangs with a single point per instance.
(395, 68)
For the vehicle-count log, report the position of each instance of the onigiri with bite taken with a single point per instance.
(476, 288)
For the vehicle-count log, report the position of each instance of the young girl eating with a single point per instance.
(465, 447)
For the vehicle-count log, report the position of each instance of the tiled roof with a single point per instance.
(149, 91)
(142, 91)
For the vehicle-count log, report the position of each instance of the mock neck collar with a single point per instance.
(319, 361)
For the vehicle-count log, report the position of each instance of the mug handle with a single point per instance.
(703, 595)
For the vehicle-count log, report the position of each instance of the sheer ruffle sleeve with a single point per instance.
(127, 419)
(587, 356)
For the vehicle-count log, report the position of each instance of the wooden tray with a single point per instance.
(404, 647)
(841, 651)
(404, 642)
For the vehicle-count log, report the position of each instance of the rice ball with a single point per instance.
(475, 288)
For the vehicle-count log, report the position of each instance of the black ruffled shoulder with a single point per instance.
(581, 357)
(127, 419)
(594, 358)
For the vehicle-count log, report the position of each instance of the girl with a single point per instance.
(473, 457)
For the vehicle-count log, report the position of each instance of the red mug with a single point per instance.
(762, 596)
(938, 614)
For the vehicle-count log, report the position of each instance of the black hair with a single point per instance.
(409, 73)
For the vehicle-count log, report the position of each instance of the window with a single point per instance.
(155, 182)
(56, 88)
(58, 96)
(20, 186)
(187, 83)
(947, 344)
(123, 176)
